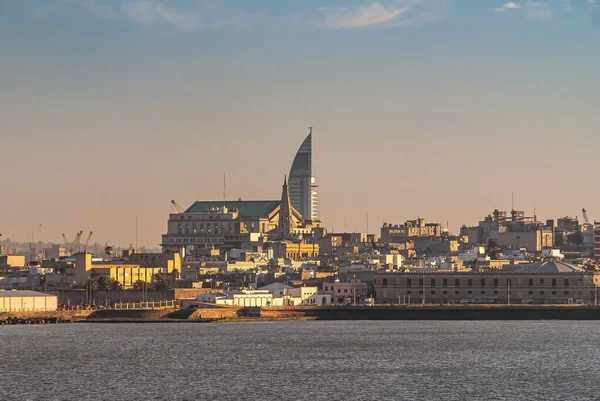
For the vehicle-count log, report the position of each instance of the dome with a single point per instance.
(551, 267)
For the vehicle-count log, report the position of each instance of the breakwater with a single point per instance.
(449, 312)
(211, 313)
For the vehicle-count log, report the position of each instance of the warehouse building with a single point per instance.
(27, 301)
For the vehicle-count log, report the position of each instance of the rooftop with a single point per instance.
(4, 293)
(550, 267)
(251, 208)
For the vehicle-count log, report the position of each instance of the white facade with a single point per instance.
(246, 298)
(27, 301)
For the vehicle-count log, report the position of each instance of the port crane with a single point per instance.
(87, 241)
(585, 216)
(178, 208)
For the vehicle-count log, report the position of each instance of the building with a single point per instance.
(546, 282)
(394, 233)
(345, 292)
(515, 231)
(125, 272)
(25, 301)
(12, 261)
(303, 186)
(597, 240)
(294, 250)
(246, 297)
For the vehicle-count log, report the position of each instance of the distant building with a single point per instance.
(547, 282)
(303, 186)
(12, 261)
(27, 301)
(515, 231)
(394, 233)
(597, 241)
(127, 273)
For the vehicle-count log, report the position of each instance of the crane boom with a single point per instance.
(585, 216)
(87, 241)
(76, 242)
(176, 205)
(65, 238)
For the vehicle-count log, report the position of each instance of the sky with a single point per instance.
(422, 108)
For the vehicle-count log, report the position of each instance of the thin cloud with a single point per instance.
(144, 12)
(378, 15)
(507, 6)
(341, 9)
(537, 11)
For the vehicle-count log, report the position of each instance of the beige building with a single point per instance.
(546, 282)
(126, 273)
(393, 233)
(26, 301)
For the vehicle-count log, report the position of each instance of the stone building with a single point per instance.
(547, 282)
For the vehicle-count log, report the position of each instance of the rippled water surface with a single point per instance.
(302, 361)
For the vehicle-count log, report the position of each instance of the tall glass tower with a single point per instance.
(303, 195)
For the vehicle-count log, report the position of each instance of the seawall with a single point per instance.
(467, 312)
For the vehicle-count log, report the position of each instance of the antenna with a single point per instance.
(513, 199)
(224, 188)
(136, 231)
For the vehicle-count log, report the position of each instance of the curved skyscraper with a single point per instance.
(303, 195)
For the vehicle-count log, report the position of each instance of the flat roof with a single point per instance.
(9, 293)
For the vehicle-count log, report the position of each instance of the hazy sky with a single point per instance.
(429, 108)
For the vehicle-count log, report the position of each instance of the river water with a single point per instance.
(302, 360)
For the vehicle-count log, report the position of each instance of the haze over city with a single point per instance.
(110, 109)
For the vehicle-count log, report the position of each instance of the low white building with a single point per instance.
(27, 301)
(247, 297)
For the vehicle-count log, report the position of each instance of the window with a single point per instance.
(553, 282)
(385, 282)
(483, 282)
(495, 282)
(553, 292)
(541, 281)
(433, 282)
(566, 292)
(530, 292)
(194, 228)
(420, 282)
(445, 292)
(409, 292)
(339, 290)
(456, 292)
(495, 292)
(408, 282)
(469, 292)
(566, 282)
(457, 282)
(541, 292)
(531, 282)
(445, 282)
(433, 292)
(470, 282)
(420, 292)
(482, 292)
(345, 290)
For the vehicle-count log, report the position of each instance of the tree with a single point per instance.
(162, 282)
(105, 283)
(576, 238)
(493, 249)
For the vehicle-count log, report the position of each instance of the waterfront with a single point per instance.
(303, 360)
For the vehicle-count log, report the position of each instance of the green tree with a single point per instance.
(105, 283)
(162, 282)
(576, 238)
(493, 249)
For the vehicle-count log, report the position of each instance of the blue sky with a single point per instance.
(435, 108)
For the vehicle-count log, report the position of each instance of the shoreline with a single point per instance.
(212, 314)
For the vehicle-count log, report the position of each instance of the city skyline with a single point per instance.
(426, 109)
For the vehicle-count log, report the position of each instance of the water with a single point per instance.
(302, 360)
